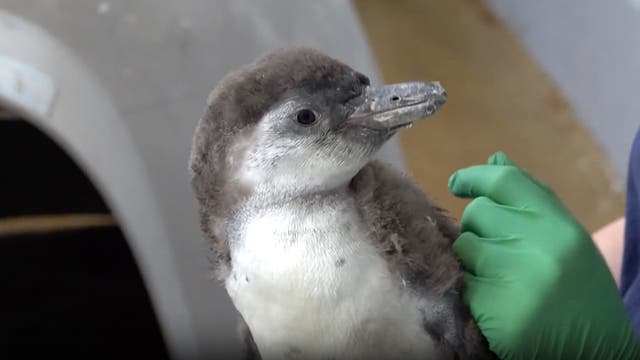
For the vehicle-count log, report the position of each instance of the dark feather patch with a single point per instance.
(250, 348)
(416, 237)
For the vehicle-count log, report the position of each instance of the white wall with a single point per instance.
(591, 48)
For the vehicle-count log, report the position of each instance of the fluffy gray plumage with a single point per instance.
(237, 103)
(413, 235)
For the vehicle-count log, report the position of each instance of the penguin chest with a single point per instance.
(310, 285)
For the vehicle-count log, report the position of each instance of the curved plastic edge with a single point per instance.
(77, 112)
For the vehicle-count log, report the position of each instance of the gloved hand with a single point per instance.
(536, 284)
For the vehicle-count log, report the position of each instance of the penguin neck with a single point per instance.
(274, 194)
(289, 181)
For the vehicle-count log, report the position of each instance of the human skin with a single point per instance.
(610, 241)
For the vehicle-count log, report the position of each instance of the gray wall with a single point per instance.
(159, 60)
(591, 49)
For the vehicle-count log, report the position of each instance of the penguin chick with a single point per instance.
(325, 252)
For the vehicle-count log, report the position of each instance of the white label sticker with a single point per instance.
(26, 86)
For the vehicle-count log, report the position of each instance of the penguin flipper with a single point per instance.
(413, 234)
(250, 348)
(415, 237)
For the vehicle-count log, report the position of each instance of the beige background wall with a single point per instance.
(499, 99)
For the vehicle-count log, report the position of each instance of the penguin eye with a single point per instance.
(306, 117)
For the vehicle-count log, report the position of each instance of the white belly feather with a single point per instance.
(309, 285)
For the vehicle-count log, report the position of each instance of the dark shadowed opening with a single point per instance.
(73, 288)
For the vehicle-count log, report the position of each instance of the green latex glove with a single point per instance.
(536, 283)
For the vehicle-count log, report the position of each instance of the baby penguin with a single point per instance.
(325, 252)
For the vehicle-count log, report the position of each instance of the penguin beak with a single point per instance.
(395, 106)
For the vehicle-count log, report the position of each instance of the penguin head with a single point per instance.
(298, 120)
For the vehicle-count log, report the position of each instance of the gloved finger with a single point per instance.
(500, 158)
(507, 185)
(488, 219)
(480, 256)
(481, 294)
(476, 290)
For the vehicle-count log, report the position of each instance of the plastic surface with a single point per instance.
(131, 124)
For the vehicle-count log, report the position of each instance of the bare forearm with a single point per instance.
(610, 241)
